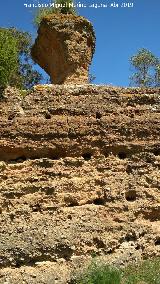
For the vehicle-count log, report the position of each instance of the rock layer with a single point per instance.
(79, 177)
(64, 48)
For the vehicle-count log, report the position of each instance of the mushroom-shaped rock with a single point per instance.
(64, 48)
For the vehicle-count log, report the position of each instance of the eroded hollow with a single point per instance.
(47, 116)
(130, 237)
(99, 201)
(87, 156)
(106, 154)
(64, 251)
(36, 208)
(157, 241)
(98, 115)
(131, 195)
(11, 116)
(129, 169)
(50, 191)
(99, 243)
(19, 155)
(156, 152)
(56, 157)
(73, 203)
(122, 155)
(20, 159)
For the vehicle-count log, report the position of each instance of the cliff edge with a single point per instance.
(79, 177)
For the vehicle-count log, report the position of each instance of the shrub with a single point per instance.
(60, 7)
(100, 274)
(146, 272)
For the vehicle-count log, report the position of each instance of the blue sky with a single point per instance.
(120, 32)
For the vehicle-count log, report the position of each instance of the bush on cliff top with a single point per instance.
(60, 7)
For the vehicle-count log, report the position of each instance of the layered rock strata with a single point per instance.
(64, 48)
(79, 177)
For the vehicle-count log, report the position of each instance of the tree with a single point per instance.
(16, 66)
(60, 7)
(8, 58)
(145, 64)
(157, 75)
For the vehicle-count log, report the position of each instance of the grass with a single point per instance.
(146, 272)
(100, 275)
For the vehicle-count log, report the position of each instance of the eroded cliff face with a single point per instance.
(79, 176)
(64, 48)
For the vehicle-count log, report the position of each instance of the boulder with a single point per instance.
(64, 48)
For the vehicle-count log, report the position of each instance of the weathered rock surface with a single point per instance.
(79, 177)
(64, 48)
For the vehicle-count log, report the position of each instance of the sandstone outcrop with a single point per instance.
(79, 177)
(64, 48)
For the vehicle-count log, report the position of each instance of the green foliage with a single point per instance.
(157, 75)
(100, 274)
(146, 272)
(8, 58)
(23, 93)
(60, 6)
(16, 66)
(145, 64)
(24, 41)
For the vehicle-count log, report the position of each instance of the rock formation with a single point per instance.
(64, 48)
(79, 176)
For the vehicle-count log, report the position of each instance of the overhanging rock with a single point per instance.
(64, 48)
